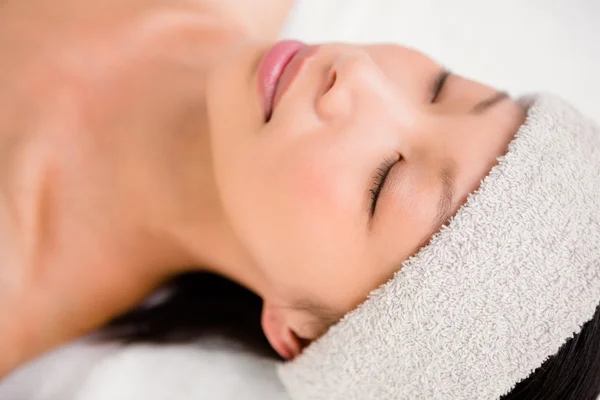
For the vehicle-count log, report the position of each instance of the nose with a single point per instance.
(348, 77)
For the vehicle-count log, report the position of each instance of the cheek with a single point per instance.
(310, 207)
(318, 242)
(297, 220)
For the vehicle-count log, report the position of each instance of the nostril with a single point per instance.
(335, 100)
(331, 80)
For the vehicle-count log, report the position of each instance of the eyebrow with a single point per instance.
(486, 104)
(446, 178)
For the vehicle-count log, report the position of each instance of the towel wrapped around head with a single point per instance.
(497, 291)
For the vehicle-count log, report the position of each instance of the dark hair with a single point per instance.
(199, 304)
(195, 305)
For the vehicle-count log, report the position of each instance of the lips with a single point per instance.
(277, 70)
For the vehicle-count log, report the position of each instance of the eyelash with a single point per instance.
(380, 175)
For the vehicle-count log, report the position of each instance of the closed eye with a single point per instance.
(438, 84)
(379, 179)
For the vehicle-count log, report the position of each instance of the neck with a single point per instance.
(205, 238)
(189, 217)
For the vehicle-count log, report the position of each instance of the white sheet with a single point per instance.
(517, 45)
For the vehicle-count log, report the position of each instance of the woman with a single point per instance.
(144, 140)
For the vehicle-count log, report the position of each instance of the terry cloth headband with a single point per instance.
(496, 292)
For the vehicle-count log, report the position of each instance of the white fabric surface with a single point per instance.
(486, 41)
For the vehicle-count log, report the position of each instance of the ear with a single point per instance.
(279, 335)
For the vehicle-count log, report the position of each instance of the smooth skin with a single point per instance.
(133, 147)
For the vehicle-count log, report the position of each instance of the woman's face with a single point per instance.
(368, 152)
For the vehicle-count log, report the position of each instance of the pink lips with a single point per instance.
(278, 69)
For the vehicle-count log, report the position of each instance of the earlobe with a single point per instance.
(279, 335)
